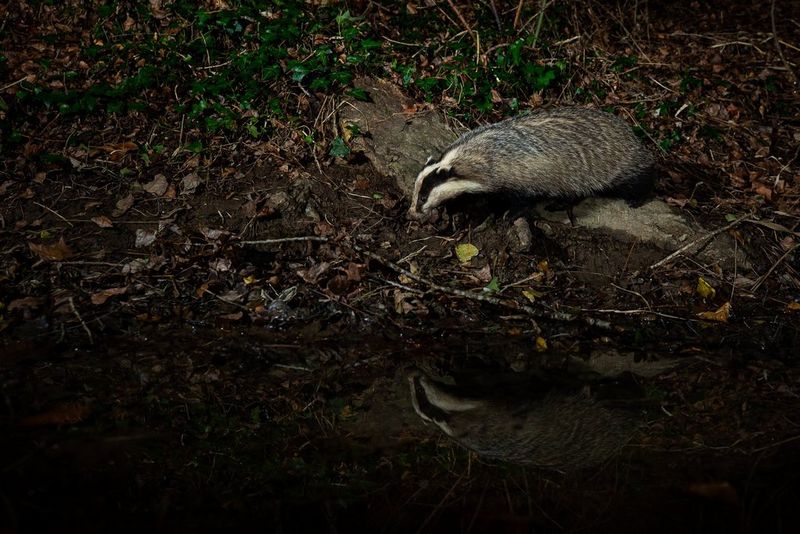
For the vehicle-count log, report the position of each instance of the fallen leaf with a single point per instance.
(64, 414)
(25, 303)
(312, 274)
(157, 186)
(354, 271)
(144, 238)
(189, 183)
(236, 316)
(53, 252)
(484, 274)
(466, 251)
(123, 205)
(704, 289)
(200, 291)
(401, 307)
(720, 315)
(493, 286)
(718, 491)
(793, 306)
(541, 344)
(101, 296)
(220, 264)
(117, 152)
(102, 221)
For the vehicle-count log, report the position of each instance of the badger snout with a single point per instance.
(421, 215)
(415, 215)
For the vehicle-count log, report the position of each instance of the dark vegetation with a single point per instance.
(156, 374)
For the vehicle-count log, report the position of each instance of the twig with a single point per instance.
(542, 7)
(441, 502)
(80, 319)
(12, 84)
(517, 14)
(285, 240)
(464, 23)
(766, 275)
(792, 76)
(432, 286)
(496, 18)
(53, 212)
(226, 301)
(774, 445)
(699, 241)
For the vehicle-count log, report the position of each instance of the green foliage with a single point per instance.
(670, 140)
(260, 57)
(339, 148)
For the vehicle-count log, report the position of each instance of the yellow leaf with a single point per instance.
(704, 289)
(249, 279)
(793, 306)
(720, 315)
(541, 344)
(543, 266)
(530, 295)
(466, 251)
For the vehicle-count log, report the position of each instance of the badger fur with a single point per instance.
(558, 430)
(568, 153)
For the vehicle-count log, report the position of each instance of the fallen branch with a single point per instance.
(699, 241)
(285, 240)
(433, 286)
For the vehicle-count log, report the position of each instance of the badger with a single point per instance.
(560, 430)
(565, 153)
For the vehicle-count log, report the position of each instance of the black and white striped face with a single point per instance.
(438, 182)
(434, 405)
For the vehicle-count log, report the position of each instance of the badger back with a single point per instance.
(566, 152)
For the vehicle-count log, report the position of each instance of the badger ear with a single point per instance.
(428, 161)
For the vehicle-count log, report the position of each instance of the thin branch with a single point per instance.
(766, 275)
(285, 240)
(80, 319)
(517, 14)
(699, 241)
(792, 76)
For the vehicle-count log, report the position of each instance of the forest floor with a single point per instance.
(160, 370)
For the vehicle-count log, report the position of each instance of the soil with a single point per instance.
(224, 339)
(229, 404)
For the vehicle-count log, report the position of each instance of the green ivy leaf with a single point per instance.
(339, 148)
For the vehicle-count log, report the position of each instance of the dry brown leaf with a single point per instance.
(236, 316)
(200, 291)
(101, 296)
(123, 205)
(53, 252)
(144, 238)
(720, 315)
(354, 271)
(157, 186)
(718, 491)
(25, 303)
(312, 274)
(117, 152)
(189, 183)
(64, 414)
(102, 221)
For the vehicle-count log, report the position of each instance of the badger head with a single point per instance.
(438, 182)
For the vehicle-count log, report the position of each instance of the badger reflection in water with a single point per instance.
(557, 427)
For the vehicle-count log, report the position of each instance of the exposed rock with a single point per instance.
(396, 142)
(519, 235)
(654, 223)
